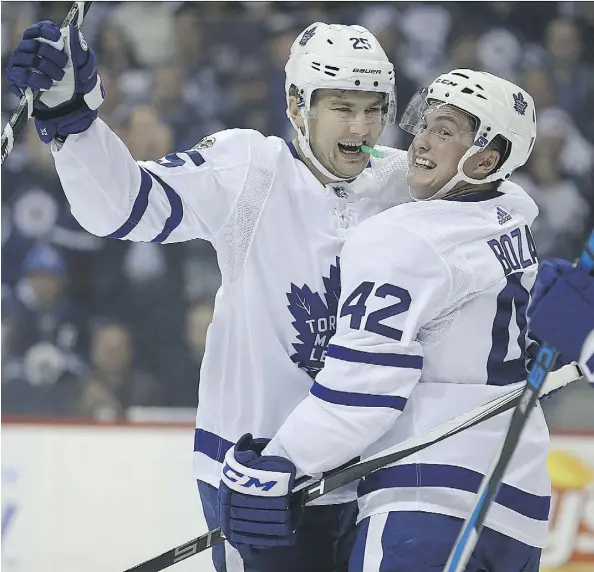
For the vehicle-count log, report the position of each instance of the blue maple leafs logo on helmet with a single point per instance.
(315, 320)
(307, 35)
(520, 104)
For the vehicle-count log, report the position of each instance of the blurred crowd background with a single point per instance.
(103, 329)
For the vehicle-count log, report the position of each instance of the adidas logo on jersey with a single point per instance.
(503, 216)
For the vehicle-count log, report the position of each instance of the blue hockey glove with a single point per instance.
(255, 500)
(562, 308)
(61, 65)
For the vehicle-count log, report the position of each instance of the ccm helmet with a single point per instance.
(498, 107)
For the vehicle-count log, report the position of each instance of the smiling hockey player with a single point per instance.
(431, 323)
(277, 214)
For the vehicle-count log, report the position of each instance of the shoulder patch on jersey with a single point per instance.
(205, 142)
(315, 320)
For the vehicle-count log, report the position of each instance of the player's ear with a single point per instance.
(482, 164)
(295, 113)
(489, 161)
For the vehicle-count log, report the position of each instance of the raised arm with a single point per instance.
(179, 197)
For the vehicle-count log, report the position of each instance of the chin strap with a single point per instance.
(457, 178)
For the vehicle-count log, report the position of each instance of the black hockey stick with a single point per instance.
(310, 489)
(24, 110)
(545, 361)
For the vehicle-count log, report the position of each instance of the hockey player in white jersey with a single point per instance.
(277, 213)
(431, 323)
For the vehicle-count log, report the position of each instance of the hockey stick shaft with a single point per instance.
(545, 361)
(311, 489)
(24, 109)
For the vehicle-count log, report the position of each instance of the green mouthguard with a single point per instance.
(374, 152)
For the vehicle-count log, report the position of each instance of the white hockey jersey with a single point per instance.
(431, 324)
(278, 234)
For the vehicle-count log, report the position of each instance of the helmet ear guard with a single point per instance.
(336, 57)
(504, 114)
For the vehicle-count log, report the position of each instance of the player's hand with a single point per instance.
(61, 65)
(255, 501)
(562, 308)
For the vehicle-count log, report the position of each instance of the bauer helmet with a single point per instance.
(336, 56)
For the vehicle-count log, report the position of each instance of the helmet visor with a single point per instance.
(442, 120)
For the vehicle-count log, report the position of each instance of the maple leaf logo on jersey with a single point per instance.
(315, 320)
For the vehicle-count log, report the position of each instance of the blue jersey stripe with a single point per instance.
(357, 399)
(177, 210)
(195, 156)
(358, 356)
(138, 208)
(215, 447)
(211, 445)
(453, 477)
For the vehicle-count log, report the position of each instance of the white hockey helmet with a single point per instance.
(498, 106)
(336, 56)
